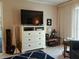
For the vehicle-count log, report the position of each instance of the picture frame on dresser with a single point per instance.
(49, 22)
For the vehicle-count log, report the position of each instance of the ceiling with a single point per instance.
(49, 2)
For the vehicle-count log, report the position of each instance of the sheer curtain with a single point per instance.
(68, 18)
(75, 23)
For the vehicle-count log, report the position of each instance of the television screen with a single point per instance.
(29, 17)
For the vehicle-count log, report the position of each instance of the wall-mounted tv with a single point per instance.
(30, 17)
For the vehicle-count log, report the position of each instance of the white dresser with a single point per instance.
(33, 37)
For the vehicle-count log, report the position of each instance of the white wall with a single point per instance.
(11, 13)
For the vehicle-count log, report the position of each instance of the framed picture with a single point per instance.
(49, 22)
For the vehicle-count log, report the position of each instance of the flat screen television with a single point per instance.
(30, 17)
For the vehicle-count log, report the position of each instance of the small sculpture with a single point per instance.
(53, 34)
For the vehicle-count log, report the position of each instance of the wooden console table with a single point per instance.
(66, 44)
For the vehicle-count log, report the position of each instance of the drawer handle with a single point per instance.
(29, 45)
(39, 33)
(39, 43)
(39, 38)
(29, 39)
(29, 33)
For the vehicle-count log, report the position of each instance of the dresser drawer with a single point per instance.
(34, 36)
(28, 34)
(27, 40)
(32, 45)
(40, 33)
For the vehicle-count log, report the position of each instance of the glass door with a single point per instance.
(0, 41)
(1, 25)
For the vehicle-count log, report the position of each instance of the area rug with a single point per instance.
(32, 55)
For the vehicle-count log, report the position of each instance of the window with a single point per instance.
(75, 24)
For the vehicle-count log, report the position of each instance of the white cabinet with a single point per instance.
(33, 39)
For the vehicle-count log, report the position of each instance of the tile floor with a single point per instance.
(56, 52)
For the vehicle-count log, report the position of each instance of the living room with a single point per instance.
(58, 15)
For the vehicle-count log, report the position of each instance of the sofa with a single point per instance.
(74, 49)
